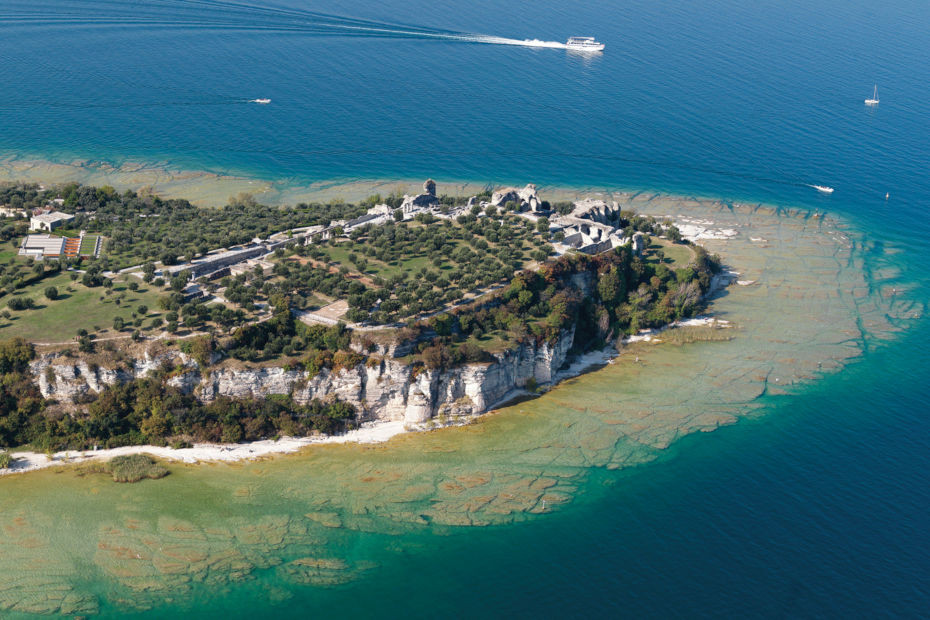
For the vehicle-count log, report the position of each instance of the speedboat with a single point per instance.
(261, 101)
(823, 189)
(584, 44)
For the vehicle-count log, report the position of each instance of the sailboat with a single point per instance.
(874, 99)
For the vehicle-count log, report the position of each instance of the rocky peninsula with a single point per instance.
(801, 312)
(239, 353)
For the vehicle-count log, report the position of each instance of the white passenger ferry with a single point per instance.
(584, 44)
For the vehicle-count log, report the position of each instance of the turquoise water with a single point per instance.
(817, 508)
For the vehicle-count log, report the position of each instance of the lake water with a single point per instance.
(814, 504)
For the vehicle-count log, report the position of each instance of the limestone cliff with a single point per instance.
(382, 390)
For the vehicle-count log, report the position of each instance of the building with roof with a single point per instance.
(43, 246)
(49, 221)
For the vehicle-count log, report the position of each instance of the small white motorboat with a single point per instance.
(261, 101)
(823, 189)
(874, 99)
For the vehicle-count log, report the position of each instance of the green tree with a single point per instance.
(611, 286)
(15, 355)
(51, 292)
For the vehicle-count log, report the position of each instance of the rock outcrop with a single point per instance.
(596, 210)
(382, 389)
(526, 197)
(66, 379)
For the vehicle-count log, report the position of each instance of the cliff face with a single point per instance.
(66, 379)
(389, 390)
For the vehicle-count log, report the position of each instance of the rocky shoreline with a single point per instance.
(382, 390)
(387, 421)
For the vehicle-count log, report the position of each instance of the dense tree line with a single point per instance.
(24, 195)
(283, 335)
(20, 401)
(625, 294)
(148, 411)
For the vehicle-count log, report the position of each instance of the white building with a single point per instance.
(42, 246)
(49, 221)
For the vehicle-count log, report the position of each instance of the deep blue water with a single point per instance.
(818, 509)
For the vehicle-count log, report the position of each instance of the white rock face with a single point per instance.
(65, 379)
(526, 197)
(387, 390)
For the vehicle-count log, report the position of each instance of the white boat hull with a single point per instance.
(586, 48)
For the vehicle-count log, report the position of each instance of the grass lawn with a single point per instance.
(315, 302)
(88, 245)
(81, 308)
(8, 250)
(676, 255)
(493, 342)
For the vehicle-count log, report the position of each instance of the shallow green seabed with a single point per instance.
(820, 296)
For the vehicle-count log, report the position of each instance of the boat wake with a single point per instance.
(524, 42)
(233, 15)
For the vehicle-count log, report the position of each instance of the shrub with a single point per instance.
(85, 344)
(135, 467)
(6, 459)
(21, 303)
(51, 292)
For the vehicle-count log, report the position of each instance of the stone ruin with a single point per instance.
(526, 198)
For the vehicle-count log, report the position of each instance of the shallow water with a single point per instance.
(814, 504)
(337, 514)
